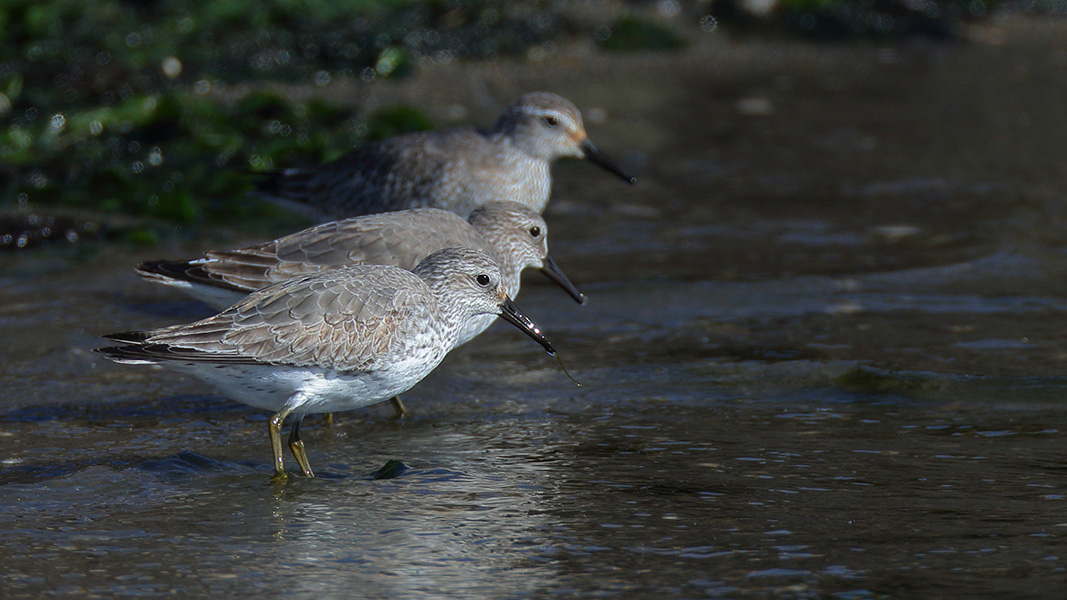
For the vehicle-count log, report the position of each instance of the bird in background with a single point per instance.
(514, 235)
(453, 169)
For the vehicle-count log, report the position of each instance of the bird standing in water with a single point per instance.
(337, 340)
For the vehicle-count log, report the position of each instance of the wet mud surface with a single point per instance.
(824, 355)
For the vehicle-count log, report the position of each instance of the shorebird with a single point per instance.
(337, 340)
(514, 235)
(454, 169)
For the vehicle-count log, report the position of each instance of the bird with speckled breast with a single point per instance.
(337, 340)
(453, 169)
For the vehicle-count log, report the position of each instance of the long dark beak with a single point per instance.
(553, 272)
(511, 313)
(594, 156)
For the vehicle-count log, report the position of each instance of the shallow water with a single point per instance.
(824, 356)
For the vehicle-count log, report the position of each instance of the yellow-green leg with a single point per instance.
(327, 419)
(297, 446)
(274, 427)
(398, 406)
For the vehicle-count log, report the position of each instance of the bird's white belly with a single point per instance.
(309, 389)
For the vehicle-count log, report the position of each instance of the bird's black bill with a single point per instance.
(553, 272)
(511, 313)
(594, 156)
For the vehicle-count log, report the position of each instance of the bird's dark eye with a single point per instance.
(483, 280)
(552, 120)
(535, 231)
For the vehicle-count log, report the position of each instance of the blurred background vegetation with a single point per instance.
(128, 106)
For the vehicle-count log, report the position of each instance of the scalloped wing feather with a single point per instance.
(351, 320)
